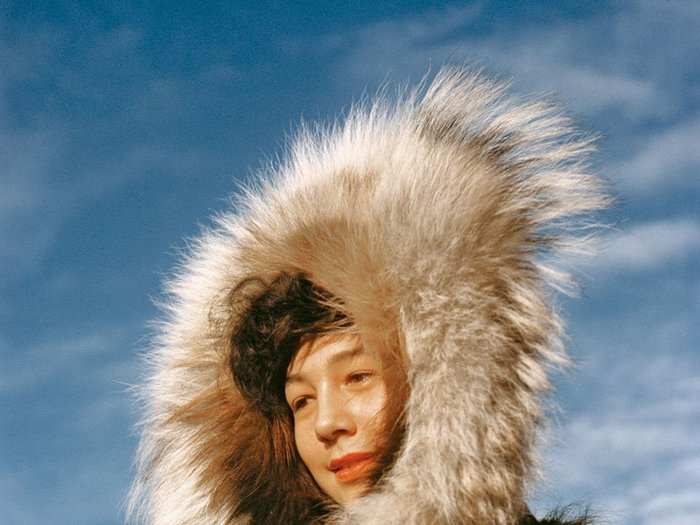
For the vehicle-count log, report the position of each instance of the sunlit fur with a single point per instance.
(434, 217)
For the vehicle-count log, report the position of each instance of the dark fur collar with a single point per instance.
(558, 517)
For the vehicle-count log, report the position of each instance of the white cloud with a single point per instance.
(547, 60)
(86, 357)
(13, 499)
(586, 64)
(27, 204)
(79, 485)
(78, 459)
(397, 47)
(606, 66)
(666, 159)
(636, 456)
(627, 444)
(649, 246)
(48, 169)
(682, 507)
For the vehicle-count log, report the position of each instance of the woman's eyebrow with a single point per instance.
(294, 378)
(345, 355)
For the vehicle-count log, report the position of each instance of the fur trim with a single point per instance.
(560, 516)
(429, 217)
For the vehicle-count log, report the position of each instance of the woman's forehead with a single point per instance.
(327, 350)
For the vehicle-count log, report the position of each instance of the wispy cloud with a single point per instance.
(52, 165)
(648, 246)
(101, 115)
(14, 499)
(627, 445)
(669, 158)
(398, 47)
(36, 198)
(95, 357)
(635, 457)
(26, 201)
(564, 57)
(73, 405)
(83, 488)
(606, 67)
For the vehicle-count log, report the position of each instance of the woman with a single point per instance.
(365, 339)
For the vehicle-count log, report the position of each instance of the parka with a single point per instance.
(439, 216)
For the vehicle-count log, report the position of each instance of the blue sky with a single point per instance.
(123, 129)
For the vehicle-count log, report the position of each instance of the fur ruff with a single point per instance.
(430, 217)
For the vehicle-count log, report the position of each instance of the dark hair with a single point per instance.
(276, 319)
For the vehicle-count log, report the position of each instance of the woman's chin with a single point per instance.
(346, 492)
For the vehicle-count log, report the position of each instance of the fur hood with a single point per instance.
(434, 217)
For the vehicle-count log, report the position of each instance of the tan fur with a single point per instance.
(430, 218)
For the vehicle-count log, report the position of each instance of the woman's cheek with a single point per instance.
(308, 446)
(368, 406)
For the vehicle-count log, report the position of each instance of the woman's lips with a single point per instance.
(352, 467)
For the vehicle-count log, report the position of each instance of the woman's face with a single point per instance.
(336, 391)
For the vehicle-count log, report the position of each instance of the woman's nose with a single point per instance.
(333, 418)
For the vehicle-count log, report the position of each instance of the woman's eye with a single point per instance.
(300, 403)
(359, 377)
